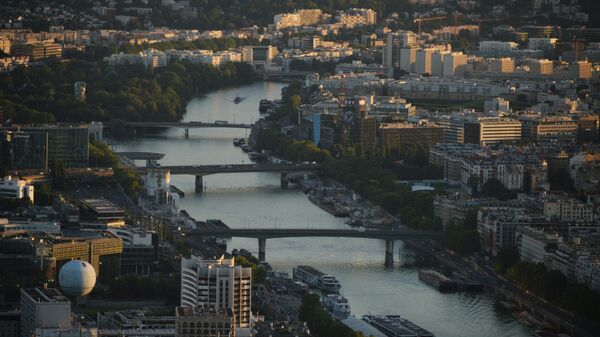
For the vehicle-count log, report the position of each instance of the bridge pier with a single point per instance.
(389, 253)
(151, 163)
(284, 181)
(187, 133)
(199, 183)
(262, 247)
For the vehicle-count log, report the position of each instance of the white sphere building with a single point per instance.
(77, 278)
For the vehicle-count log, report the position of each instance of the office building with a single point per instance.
(204, 321)
(260, 57)
(38, 51)
(580, 70)
(13, 188)
(43, 308)
(534, 244)
(395, 135)
(217, 283)
(21, 150)
(68, 144)
(454, 64)
(364, 131)
(588, 129)
(394, 43)
(549, 129)
(491, 130)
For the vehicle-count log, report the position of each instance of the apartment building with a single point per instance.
(491, 130)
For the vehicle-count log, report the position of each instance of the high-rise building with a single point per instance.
(391, 55)
(454, 64)
(43, 308)
(217, 283)
(204, 322)
(408, 56)
(490, 130)
(423, 61)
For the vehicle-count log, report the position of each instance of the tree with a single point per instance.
(505, 259)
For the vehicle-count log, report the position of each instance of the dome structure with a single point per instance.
(77, 278)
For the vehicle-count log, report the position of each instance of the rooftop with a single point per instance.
(44, 295)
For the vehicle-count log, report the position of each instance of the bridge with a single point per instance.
(202, 170)
(188, 125)
(270, 233)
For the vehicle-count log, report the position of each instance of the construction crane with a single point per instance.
(433, 18)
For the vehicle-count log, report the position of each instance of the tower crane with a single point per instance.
(433, 18)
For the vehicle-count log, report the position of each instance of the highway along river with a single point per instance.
(256, 200)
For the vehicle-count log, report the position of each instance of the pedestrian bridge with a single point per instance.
(271, 233)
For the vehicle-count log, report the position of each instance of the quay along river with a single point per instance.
(246, 200)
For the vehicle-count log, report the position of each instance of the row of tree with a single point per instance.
(554, 287)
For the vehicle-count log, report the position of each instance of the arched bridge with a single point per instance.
(271, 233)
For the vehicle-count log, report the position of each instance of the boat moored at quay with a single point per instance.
(316, 278)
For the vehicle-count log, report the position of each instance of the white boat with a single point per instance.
(316, 278)
(336, 305)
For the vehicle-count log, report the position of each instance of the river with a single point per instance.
(256, 200)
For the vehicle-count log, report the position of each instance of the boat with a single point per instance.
(395, 325)
(237, 99)
(336, 305)
(257, 155)
(316, 278)
(437, 280)
(328, 206)
(239, 141)
(245, 148)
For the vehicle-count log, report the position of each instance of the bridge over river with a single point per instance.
(263, 234)
(202, 170)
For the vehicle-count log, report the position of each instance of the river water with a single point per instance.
(256, 200)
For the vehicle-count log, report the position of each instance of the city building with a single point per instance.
(38, 51)
(79, 90)
(140, 250)
(43, 308)
(580, 70)
(217, 283)
(496, 105)
(491, 130)
(569, 210)
(423, 61)
(101, 212)
(540, 66)
(535, 244)
(13, 227)
(502, 65)
(158, 187)
(20, 150)
(353, 17)
(204, 321)
(12, 188)
(301, 17)
(259, 57)
(549, 129)
(395, 135)
(408, 57)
